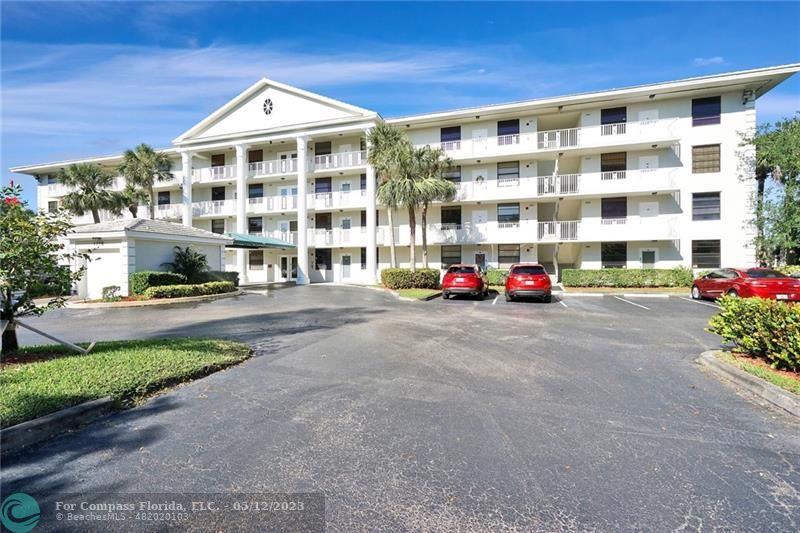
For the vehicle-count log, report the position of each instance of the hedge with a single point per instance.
(182, 291)
(623, 277)
(767, 329)
(790, 269)
(219, 275)
(496, 277)
(141, 281)
(403, 278)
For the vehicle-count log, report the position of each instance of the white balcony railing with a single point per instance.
(610, 175)
(207, 174)
(507, 140)
(214, 207)
(558, 230)
(563, 138)
(618, 221)
(169, 211)
(340, 160)
(618, 128)
(274, 167)
(274, 203)
(558, 185)
(284, 235)
(338, 200)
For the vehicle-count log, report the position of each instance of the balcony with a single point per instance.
(275, 167)
(56, 190)
(169, 211)
(355, 199)
(286, 236)
(465, 233)
(340, 160)
(272, 204)
(338, 237)
(558, 231)
(614, 182)
(214, 208)
(212, 174)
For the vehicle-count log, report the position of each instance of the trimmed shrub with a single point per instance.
(762, 328)
(790, 269)
(141, 281)
(218, 275)
(623, 277)
(403, 278)
(111, 293)
(182, 291)
(495, 276)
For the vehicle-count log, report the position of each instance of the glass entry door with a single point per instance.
(288, 268)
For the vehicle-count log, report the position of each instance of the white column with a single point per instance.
(302, 212)
(241, 208)
(186, 160)
(372, 263)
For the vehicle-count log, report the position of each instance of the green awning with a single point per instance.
(243, 240)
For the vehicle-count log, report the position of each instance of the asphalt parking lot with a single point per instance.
(587, 413)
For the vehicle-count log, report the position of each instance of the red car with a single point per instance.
(464, 279)
(749, 282)
(528, 279)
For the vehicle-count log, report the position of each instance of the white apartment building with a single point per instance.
(647, 176)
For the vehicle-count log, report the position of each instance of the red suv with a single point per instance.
(528, 279)
(464, 279)
(759, 282)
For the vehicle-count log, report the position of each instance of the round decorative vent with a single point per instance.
(267, 106)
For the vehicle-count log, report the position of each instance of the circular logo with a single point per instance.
(20, 513)
(267, 106)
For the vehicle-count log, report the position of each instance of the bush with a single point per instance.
(218, 275)
(183, 291)
(403, 278)
(790, 269)
(141, 281)
(623, 277)
(767, 329)
(496, 277)
(111, 293)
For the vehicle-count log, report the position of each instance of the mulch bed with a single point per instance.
(760, 362)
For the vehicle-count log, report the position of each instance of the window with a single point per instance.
(217, 193)
(614, 207)
(363, 219)
(256, 259)
(508, 213)
(345, 223)
(507, 127)
(52, 206)
(451, 215)
(614, 161)
(323, 185)
(323, 258)
(322, 148)
(705, 158)
(454, 174)
(323, 221)
(705, 254)
(218, 226)
(51, 179)
(450, 134)
(705, 206)
(344, 186)
(163, 198)
(451, 255)
(529, 269)
(508, 173)
(255, 156)
(363, 259)
(507, 254)
(613, 254)
(765, 273)
(255, 224)
(706, 111)
(648, 258)
(363, 182)
(613, 115)
(256, 190)
(218, 160)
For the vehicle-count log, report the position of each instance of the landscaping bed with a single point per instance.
(785, 379)
(39, 380)
(418, 294)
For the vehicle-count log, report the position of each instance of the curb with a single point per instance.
(160, 301)
(17, 437)
(755, 385)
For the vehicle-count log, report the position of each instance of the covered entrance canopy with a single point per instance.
(255, 242)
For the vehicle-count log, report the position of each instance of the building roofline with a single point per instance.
(43, 167)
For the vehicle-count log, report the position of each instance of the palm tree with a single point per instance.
(389, 150)
(142, 167)
(188, 261)
(430, 165)
(91, 192)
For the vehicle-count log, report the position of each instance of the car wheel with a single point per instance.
(509, 298)
(445, 296)
(547, 299)
(696, 292)
(732, 293)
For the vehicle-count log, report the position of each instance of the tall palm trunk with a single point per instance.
(134, 209)
(152, 205)
(425, 235)
(412, 224)
(10, 344)
(392, 253)
(95, 215)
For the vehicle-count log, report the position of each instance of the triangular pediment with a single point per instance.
(272, 106)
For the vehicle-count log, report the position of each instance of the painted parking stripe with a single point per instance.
(562, 303)
(632, 303)
(709, 304)
(495, 299)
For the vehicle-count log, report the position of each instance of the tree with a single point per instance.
(389, 149)
(777, 158)
(30, 253)
(142, 167)
(430, 165)
(189, 262)
(92, 190)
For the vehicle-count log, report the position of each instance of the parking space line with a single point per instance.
(562, 303)
(632, 303)
(495, 299)
(699, 302)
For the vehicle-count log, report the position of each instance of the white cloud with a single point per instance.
(707, 61)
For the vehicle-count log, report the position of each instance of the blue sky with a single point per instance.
(88, 78)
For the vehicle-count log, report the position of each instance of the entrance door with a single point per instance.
(478, 217)
(288, 231)
(648, 209)
(344, 228)
(345, 266)
(479, 141)
(647, 120)
(288, 197)
(648, 163)
(480, 260)
(288, 268)
(288, 161)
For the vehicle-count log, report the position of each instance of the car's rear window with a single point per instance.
(461, 270)
(764, 273)
(528, 270)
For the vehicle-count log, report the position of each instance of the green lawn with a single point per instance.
(418, 294)
(782, 380)
(128, 371)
